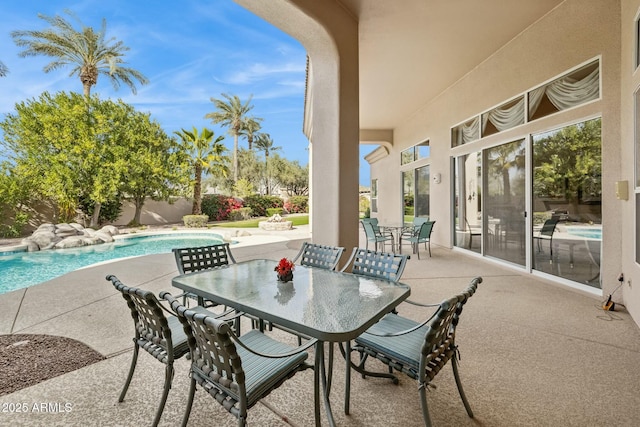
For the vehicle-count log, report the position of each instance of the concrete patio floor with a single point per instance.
(533, 353)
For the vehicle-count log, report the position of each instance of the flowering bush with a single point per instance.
(284, 267)
(297, 204)
(218, 207)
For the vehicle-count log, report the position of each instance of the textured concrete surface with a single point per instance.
(533, 354)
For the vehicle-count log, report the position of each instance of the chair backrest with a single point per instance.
(425, 230)
(373, 222)
(213, 352)
(315, 255)
(203, 257)
(369, 230)
(419, 220)
(377, 264)
(441, 328)
(549, 227)
(151, 326)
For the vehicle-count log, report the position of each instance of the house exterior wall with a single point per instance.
(573, 33)
(629, 83)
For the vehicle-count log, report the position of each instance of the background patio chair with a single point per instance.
(382, 265)
(420, 350)
(376, 237)
(239, 376)
(546, 233)
(472, 232)
(321, 256)
(421, 235)
(162, 336)
(201, 258)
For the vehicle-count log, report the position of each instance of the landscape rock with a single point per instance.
(63, 235)
(71, 242)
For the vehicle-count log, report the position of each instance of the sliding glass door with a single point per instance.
(567, 208)
(559, 232)
(505, 212)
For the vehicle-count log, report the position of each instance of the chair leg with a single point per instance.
(168, 378)
(429, 248)
(187, 411)
(131, 369)
(423, 404)
(454, 365)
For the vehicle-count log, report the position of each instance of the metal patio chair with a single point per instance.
(421, 235)
(159, 334)
(384, 265)
(201, 258)
(376, 236)
(420, 350)
(236, 371)
(321, 256)
(546, 233)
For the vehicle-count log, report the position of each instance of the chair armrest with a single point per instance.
(420, 304)
(403, 332)
(295, 351)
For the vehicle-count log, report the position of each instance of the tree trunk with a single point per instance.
(235, 157)
(197, 191)
(95, 218)
(139, 202)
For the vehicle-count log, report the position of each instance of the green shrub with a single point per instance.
(240, 214)
(195, 221)
(109, 210)
(260, 204)
(218, 207)
(15, 229)
(297, 204)
(273, 211)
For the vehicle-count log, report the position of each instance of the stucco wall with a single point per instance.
(156, 213)
(630, 82)
(575, 32)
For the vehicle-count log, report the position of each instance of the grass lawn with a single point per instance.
(253, 223)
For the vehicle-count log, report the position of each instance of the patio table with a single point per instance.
(396, 230)
(327, 305)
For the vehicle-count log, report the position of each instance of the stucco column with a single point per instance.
(330, 36)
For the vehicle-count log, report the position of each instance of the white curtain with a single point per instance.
(567, 92)
(468, 131)
(505, 118)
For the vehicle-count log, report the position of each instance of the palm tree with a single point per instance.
(250, 126)
(3, 69)
(86, 51)
(264, 143)
(231, 114)
(206, 156)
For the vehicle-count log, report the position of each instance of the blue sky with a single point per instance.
(189, 50)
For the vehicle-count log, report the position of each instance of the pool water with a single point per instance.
(23, 269)
(586, 232)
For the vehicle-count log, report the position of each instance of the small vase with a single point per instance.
(287, 277)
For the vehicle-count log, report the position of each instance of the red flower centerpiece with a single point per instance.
(285, 270)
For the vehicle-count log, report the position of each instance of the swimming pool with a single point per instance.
(23, 269)
(586, 232)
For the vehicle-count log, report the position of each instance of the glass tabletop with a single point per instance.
(324, 304)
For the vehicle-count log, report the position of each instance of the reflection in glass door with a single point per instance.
(504, 204)
(467, 171)
(567, 209)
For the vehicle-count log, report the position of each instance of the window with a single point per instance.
(637, 41)
(467, 132)
(374, 195)
(570, 90)
(504, 117)
(417, 152)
